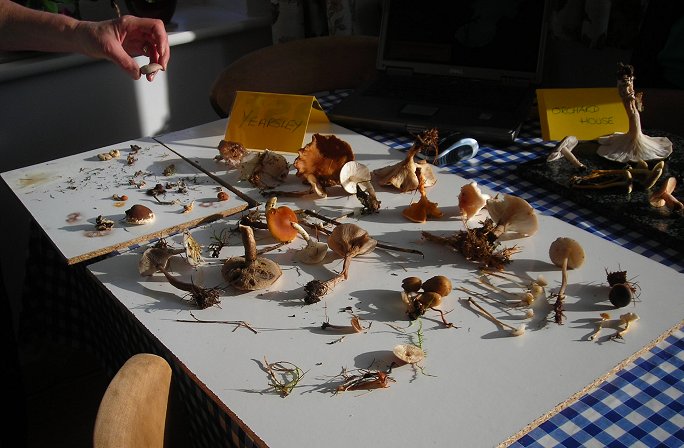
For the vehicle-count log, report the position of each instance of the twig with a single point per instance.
(237, 323)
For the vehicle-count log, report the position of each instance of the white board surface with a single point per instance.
(478, 386)
(65, 197)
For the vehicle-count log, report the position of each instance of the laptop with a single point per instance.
(463, 66)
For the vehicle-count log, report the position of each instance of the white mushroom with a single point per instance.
(512, 215)
(471, 200)
(355, 177)
(634, 145)
(409, 353)
(564, 149)
(314, 252)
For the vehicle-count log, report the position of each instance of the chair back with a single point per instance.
(132, 412)
(302, 66)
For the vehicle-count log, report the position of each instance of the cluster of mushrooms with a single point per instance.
(327, 162)
(643, 155)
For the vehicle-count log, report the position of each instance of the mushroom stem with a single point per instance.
(564, 279)
(248, 242)
(515, 331)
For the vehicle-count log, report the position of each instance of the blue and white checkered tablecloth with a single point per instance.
(642, 405)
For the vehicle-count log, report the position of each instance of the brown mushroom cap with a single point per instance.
(350, 240)
(323, 158)
(563, 248)
(438, 284)
(139, 214)
(279, 221)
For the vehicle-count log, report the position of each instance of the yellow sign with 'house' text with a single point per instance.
(586, 113)
(273, 121)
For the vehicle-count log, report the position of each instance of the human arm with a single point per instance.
(118, 40)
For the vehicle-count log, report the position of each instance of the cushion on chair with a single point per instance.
(301, 66)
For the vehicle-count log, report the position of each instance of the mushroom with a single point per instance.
(156, 257)
(193, 250)
(664, 197)
(250, 273)
(355, 178)
(438, 284)
(471, 200)
(421, 210)
(279, 221)
(564, 149)
(565, 253)
(314, 252)
(231, 152)
(346, 240)
(409, 353)
(261, 168)
(139, 214)
(402, 175)
(626, 320)
(512, 215)
(602, 179)
(634, 145)
(320, 161)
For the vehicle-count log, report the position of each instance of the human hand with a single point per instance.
(121, 39)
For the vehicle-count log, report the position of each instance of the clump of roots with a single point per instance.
(478, 244)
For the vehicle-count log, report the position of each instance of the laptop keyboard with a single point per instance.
(448, 90)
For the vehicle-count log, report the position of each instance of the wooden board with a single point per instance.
(631, 210)
(66, 196)
(478, 386)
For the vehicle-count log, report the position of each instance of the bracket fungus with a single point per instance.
(355, 178)
(471, 200)
(664, 197)
(320, 161)
(566, 253)
(402, 175)
(633, 145)
(512, 215)
(423, 209)
(251, 272)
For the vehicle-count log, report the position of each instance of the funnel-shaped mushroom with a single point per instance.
(423, 209)
(402, 175)
(156, 258)
(565, 253)
(346, 240)
(512, 215)
(471, 200)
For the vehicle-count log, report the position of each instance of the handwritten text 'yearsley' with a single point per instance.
(587, 114)
(251, 119)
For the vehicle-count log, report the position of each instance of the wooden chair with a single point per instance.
(301, 66)
(132, 412)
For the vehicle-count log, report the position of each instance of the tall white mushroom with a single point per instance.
(512, 215)
(634, 145)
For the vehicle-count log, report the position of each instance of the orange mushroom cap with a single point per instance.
(279, 221)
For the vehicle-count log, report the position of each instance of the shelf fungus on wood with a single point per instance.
(634, 145)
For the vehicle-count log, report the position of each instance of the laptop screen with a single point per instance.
(487, 39)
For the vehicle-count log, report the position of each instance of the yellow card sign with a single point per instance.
(272, 121)
(585, 113)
